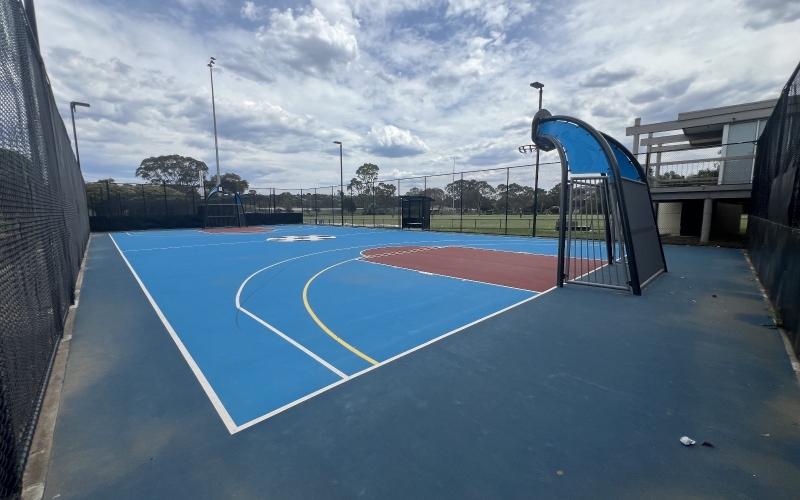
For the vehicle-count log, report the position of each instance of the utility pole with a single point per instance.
(341, 178)
(454, 179)
(539, 86)
(214, 113)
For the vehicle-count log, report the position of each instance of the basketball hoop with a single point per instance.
(528, 148)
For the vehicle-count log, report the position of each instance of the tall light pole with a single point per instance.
(341, 178)
(214, 113)
(454, 158)
(539, 86)
(72, 106)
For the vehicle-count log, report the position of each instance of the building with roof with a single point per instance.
(700, 167)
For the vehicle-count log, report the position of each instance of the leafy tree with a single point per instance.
(109, 180)
(368, 173)
(350, 205)
(385, 195)
(475, 192)
(236, 180)
(439, 197)
(362, 183)
(518, 197)
(172, 169)
(359, 188)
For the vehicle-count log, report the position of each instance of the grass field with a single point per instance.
(484, 224)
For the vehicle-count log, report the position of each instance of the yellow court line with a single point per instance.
(322, 325)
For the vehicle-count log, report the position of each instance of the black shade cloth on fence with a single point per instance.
(773, 231)
(44, 230)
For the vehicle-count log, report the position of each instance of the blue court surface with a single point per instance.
(267, 320)
(575, 393)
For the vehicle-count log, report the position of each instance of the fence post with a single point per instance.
(108, 201)
(144, 201)
(461, 204)
(166, 205)
(399, 207)
(374, 208)
(507, 179)
(194, 207)
(332, 211)
(316, 213)
(301, 204)
(425, 203)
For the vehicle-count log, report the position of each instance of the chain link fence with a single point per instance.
(43, 235)
(773, 231)
(488, 201)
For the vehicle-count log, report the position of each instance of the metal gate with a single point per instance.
(595, 249)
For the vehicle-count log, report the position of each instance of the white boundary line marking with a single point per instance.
(447, 276)
(193, 246)
(223, 413)
(393, 358)
(217, 403)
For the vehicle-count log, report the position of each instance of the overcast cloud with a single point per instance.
(404, 84)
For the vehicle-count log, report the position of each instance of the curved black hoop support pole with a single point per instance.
(545, 131)
(205, 212)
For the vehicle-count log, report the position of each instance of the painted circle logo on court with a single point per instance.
(310, 237)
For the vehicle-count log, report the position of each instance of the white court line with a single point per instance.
(275, 330)
(194, 246)
(446, 276)
(223, 413)
(382, 363)
(217, 403)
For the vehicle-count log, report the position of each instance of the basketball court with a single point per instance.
(266, 321)
(331, 362)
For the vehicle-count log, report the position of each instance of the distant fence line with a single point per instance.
(502, 191)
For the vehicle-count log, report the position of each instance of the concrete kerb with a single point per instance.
(35, 475)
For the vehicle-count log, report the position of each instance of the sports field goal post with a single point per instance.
(223, 208)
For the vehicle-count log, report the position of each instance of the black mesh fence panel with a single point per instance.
(44, 230)
(773, 231)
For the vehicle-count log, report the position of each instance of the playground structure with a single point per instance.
(608, 234)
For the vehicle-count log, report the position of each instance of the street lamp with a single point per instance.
(74, 131)
(341, 178)
(454, 158)
(539, 86)
(214, 113)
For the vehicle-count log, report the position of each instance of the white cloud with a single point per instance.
(251, 11)
(308, 42)
(451, 80)
(392, 142)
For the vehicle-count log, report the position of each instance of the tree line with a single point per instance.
(181, 175)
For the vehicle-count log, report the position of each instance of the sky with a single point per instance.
(403, 84)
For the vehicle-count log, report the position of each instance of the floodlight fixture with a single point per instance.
(214, 114)
(72, 106)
